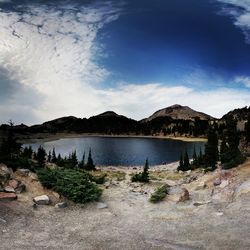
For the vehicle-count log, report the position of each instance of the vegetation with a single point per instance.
(247, 129)
(159, 194)
(73, 184)
(211, 150)
(184, 164)
(143, 176)
(229, 152)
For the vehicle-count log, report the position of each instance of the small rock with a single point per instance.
(217, 182)
(201, 186)
(42, 200)
(4, 231)
(8, 196)
(200, 203)
(9, 189)
(219, 213)
(224, 183)
(34, 205)
(56, 195)
(244, 188)
(3, 221)
(101, 205)
(21, 188)
(61, 205)
(184, 195)
(107, 184)
(23, 171)
(13, 183)
(189, 171)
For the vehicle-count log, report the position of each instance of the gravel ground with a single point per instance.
(130, 222)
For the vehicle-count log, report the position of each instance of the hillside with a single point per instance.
(178, 112)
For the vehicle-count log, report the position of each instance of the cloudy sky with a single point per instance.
(81, 58)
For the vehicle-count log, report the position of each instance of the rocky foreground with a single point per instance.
(202, 211)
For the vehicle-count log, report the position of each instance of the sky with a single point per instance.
(83, 57)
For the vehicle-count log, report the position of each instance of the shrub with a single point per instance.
(159, 194)
(73, 184)
(143, 176)
(98, 179)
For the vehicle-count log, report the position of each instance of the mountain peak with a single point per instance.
(179, 112)
(108, 113)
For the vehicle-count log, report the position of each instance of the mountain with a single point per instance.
(178, 112)
(238, 114)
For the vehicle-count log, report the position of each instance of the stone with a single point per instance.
(224, 183)
(101, 205)
(3, 221)
(9, 189)
(184, 195)
(217, 182)
(244, 188)
(200, 203)
(23, 171)
(219, 213)
(61, 205)
(5, 173)
(13, 183)
(200, 186)
(21, 188)
(8, 196)
(42, 200)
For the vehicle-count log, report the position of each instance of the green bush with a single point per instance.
(100, 179)
(159, 194)
(143, 176)
(73, 184)
(234, 162)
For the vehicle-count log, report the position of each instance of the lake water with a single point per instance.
(122, 151)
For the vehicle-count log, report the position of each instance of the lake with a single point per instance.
(122, 151)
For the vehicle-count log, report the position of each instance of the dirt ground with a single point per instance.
(213, 218)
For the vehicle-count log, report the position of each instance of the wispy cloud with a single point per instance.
(240, 11)
(243, 80)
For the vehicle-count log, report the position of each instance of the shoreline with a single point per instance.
(52, 137)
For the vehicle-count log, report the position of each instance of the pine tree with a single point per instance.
(223, 150)
(41, 154)
(49, 156)
(200, 158)
(53, 159)
(186, 163)
(211, 150)
(145, 173)
(181, 164)
(90, 164)
(82, 162)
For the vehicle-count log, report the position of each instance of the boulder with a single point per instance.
(9, 189)
(23, 171)
(184, 195)
(7, 196)
(42, 200)
(61, 205)
(5, 173)
(18, 186)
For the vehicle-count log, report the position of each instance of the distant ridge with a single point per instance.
(178, 112)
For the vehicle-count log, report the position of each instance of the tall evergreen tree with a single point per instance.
(181, 164)
(186, 163)
(90, 164)
(41, 154)
(53, 159)
(145, 173)
(49, 156)
(82, 162)
(211, 150)
(223, 149)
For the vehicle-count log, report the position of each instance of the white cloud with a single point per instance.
(140, 101)
(240, 10)
(243, 80)
(50, 55)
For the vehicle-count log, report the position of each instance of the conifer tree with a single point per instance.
(181, 164)
(211, 150)
(49, 156)
(90, 164)
(145, 173)
(41, 154)
(82, 162)
(53, 159)
(186, 163)
(247, 129)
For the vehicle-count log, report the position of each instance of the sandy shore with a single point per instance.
(51, 137)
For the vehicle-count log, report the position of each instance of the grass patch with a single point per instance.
(111, 175)
(164, 175)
